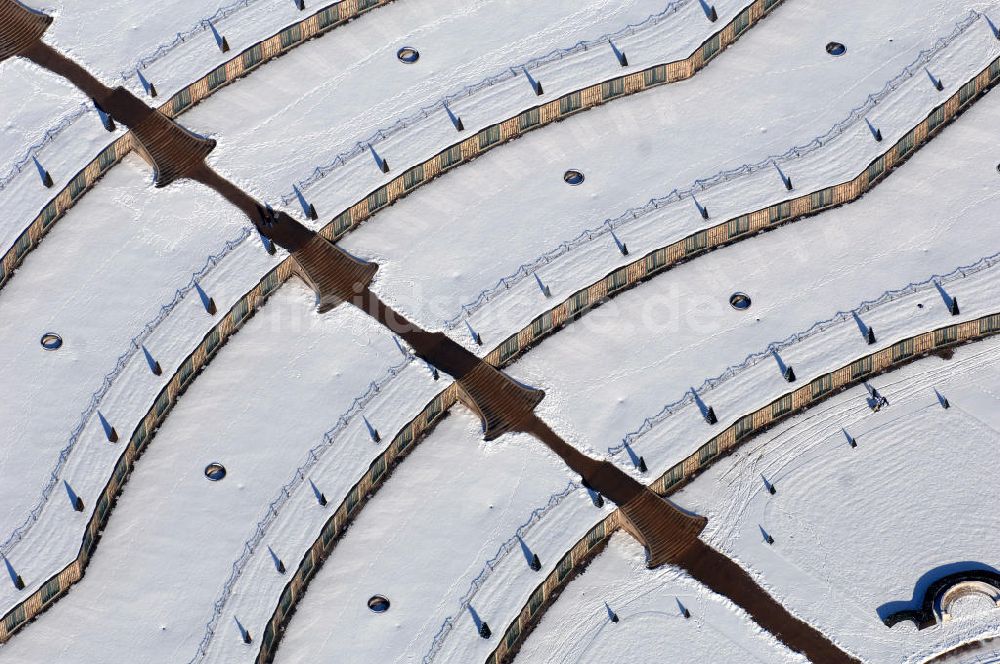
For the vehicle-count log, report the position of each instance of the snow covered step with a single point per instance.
(262, 412)
(487, 209)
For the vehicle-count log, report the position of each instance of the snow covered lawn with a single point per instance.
(440, 246)
(855, 529)
(98, 279)
(266, 400)
(650, 623)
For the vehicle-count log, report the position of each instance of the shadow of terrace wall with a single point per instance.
(746, 427)
(236, 67)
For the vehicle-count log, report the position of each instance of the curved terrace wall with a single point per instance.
(458, 153)
(518, 343)
(819, 389)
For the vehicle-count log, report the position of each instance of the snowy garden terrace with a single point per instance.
(663, 26)
(835, 243)
(444, 529)
(268, 413)
(742, 434)
(682, 324)
(575, 235)
(107, 280)
(405, 118)
(649, 606)
(166, 352)
(494, 588)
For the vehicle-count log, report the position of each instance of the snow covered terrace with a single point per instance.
(724, 149)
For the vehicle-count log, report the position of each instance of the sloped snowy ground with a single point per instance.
(108, 270)
(92, 615)
(424, 536)
(514, 199)
(672, 333)
(268, 399)
(856, 528)
(651, 625)
(517, 32)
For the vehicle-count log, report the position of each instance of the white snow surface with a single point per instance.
(703, 336)
(856, 529)
(650, 622)
(647, 145)
(96, 281)
(263, 405)
(35, 102)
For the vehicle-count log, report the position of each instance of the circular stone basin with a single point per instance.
(408, 55)
(378, 604)
(51, 341)
(573, 177)
(836, 48)
(215, 471)
(739, 301)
